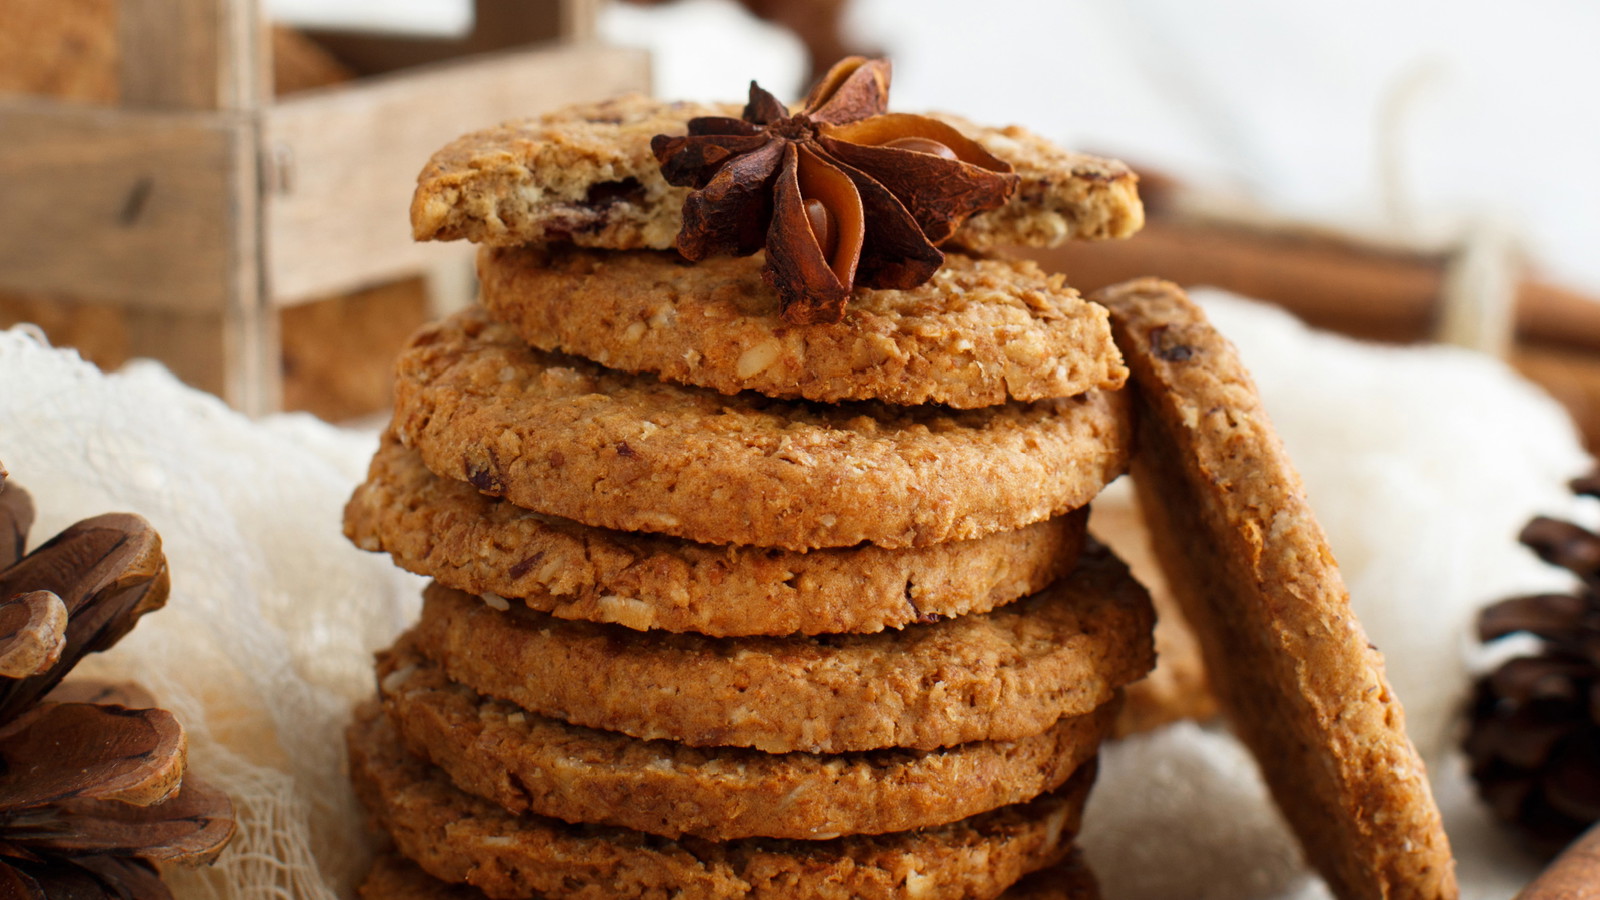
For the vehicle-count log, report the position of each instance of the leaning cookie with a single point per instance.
(531, 763)
(1250, 565)
(980, 333)
(565, 437)
(393, 877)
(459, 838)
(586, 175)
(1001, 675)
(467, 540)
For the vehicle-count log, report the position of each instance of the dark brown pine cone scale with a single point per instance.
(1534, 738)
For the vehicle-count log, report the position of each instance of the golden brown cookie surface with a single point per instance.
(1001, 675)
(461, 839)
(1252, 569)
(586, 175)
(393, 877)
(980, 333)
(529, 763)
(568, 438)
(446, 529)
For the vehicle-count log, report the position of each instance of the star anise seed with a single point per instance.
(839, 193)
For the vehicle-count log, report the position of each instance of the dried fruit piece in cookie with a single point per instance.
(1001, 675)
(1253, 572)
(526, 762)
(982, 332)
(585, 175)
(459, 838)
(447, 529)
(568, 438)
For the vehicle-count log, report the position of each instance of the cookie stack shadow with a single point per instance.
(727, 608)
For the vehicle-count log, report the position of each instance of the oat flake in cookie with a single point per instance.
(1250, 565)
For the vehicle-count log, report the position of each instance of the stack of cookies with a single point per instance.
(725, 605)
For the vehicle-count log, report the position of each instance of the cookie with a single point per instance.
(998, 676)
(1253, 572)
(459, 838)
(586, 175)
(980, 333)
(526, 762)
(393, 877)
(569, 438)
(448, 530)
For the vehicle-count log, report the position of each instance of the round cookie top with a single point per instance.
(569, 438)
(1286, 657)
(586, 175)
(997, 676)
(393, 877)
(450, 531)
(530, 763)
(979, 333)
(461, 839)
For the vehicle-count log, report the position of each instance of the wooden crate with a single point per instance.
(202, 209)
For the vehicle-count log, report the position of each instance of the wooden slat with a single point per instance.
(341, 164)
(193, 345)
(191, 54)
(130, 208)
(496, 25)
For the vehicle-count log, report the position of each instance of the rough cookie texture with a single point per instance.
(1002, 675)
(586, 175)
(1252, 569)
(568, 438)
(448, 530)
(459, 838)
(393, 877)
(530, 763)
(980, 333)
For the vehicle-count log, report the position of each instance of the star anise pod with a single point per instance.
(840, 192)
(91, 793)
(1533, 742)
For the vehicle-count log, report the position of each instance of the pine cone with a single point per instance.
(91, 793)
(1534, 739)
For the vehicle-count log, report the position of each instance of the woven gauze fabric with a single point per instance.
(268, 635)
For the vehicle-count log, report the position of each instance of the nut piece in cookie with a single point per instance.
(1250, 565)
